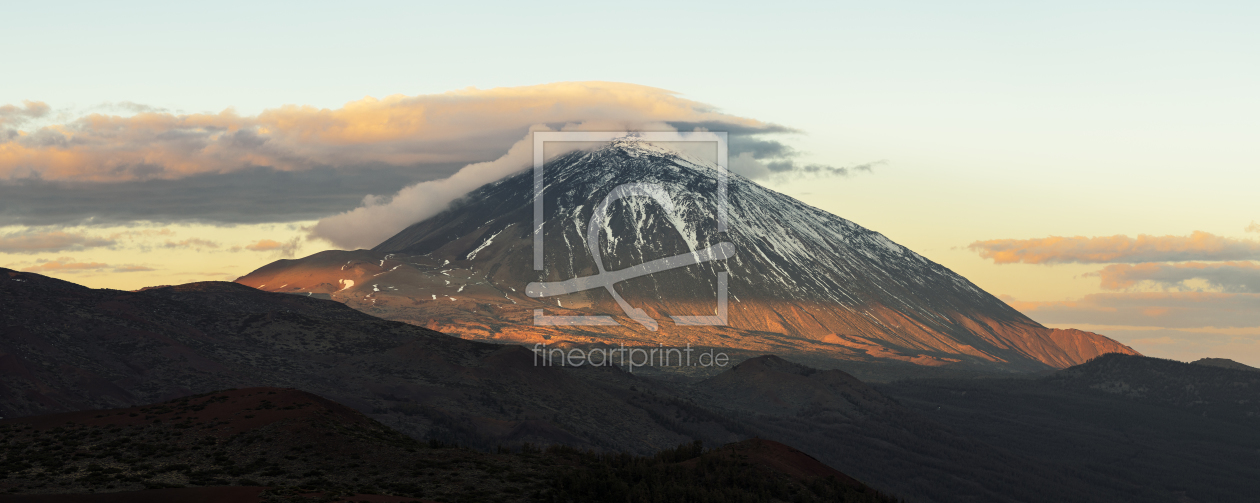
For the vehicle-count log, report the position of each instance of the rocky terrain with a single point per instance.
(274, 444)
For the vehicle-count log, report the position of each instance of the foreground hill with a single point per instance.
(274, 443)
(870, 435)
(64, 348)
(1224, 363)
(1154, 430)
(1208, 390)
(801, 280)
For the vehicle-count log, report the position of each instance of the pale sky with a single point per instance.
(995, 121)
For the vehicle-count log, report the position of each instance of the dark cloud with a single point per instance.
(759, 148)
(791, 167)
(1198, 245)
(758, 157)
(749, 165)
(40, 241)
(1242, 277)
(252, 195)
(1151, 309)
(734, 129)
(255, 195)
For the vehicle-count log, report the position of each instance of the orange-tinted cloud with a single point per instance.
(34, 241)
(286, 249)
(133, 268)
(1123, 249)
(66, 264)
(1254, 227)
(461, 126)
(1225, 276)
(1147, 309)
(265, 245)
(70, 265)
(191, 243)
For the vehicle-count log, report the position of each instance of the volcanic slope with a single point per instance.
(801, 280)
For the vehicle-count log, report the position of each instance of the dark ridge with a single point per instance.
(1154, 429)
(37, 280)
(1224, 363)
(269, 444)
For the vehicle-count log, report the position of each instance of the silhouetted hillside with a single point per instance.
(864, 432)
(65, 348)
(277, 444)
(1146, 428)
(1224, 363)
(1208, 390)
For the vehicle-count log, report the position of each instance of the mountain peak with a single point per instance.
(634, 143)
(799, 279)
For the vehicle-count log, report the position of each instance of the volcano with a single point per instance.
(782, 277)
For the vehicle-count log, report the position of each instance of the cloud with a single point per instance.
(819, 169)
(286, 249)
(66, 264)
(379, 218)
(376, 220)
(13, 115)
(1122, 249)
(133, 234)
(133, 107)
(295, 163)
(70, 265)
(1227, 276)
(1150, 309)
(756, 148)
(749, 164)
(248, 196)
(1254, 227)
(191, 243)
(133, 268)
(463, 126)
(35, 241)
